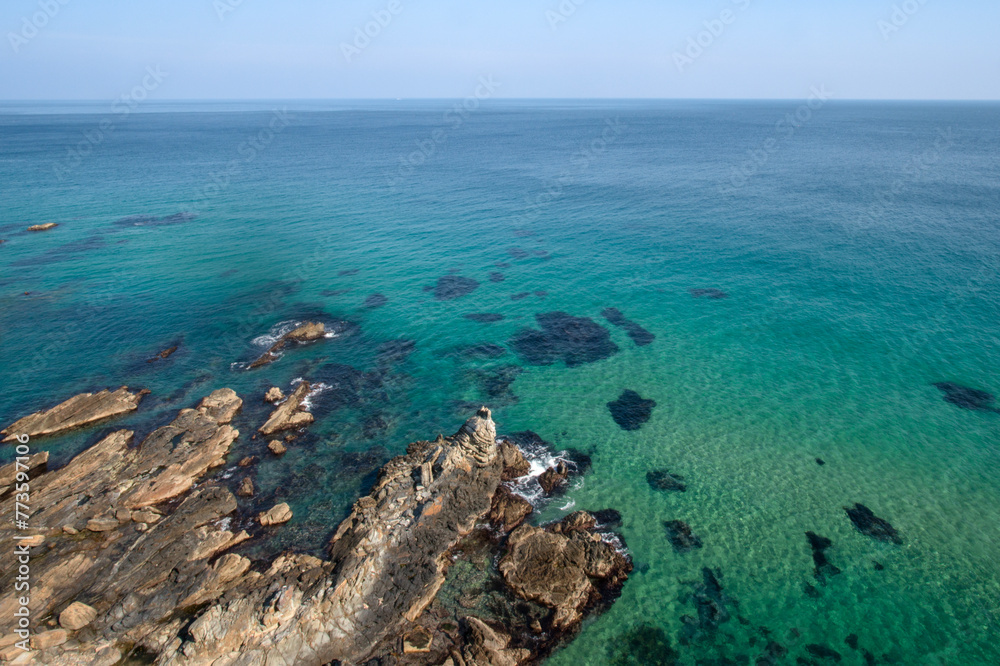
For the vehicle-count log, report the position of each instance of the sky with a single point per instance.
(365, 49)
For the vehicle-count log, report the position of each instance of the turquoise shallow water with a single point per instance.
(860, 262)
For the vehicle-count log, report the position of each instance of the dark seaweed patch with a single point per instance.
(664, 480)
(485, 317)
(708, 293)
(822, 566)
(640, 336)
(644, 645)
(376, 301)
(451, 287)
(517, 253)
(394, 351)
(871, 525)
(348, 271)
(497, 277)
(573, 340)
(63, 252)
(967, 398)
(680, 536)
(520, 295)
(631, 410)
(154, 221)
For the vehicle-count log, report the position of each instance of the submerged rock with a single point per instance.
(822, 566)
(680, 536)
(81, 410)
(497, 277)
(710, 602)
(376, 301)
(631, 410)
(866, 522)
(640, 336)
(518, 253)
(395, 351)
(451, 287)
(521, 295)
(563, 337)
(708, 293)
(154, 221)
(305, 333)
(485, 317)
(664, 480)
(967, 398)
(644, 645)
(166, 353)
(823, 652)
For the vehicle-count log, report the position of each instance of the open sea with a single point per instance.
(847, 259)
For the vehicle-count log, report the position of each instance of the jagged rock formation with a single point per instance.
(290, 414)
(307, 332)
(78, 411)
(141, 563)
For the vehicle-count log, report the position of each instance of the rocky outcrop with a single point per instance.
(128, 535)
(43, 227)
(291, 414)
(136, 559)
(78, 411)
(566, 567)
(307, 332)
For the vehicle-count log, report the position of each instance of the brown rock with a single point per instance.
(246, 487)
(566, 569)
(290, 414)
(248, 461)
(43, 227)
(276, 515)
(78, 411)
(76, 616)
(417, 641)
(102, 524)
(274, 395)
(578, 521)
(277, 448)
(34, 465)
(508, 509)
(305, 333)
(166, 353)
(486, 645)
(48, 639)
(554, 477)
(147, 516)
(515, 465)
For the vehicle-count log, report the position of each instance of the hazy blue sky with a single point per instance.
(223, 49)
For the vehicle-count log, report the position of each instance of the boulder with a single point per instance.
(515, 465)
(554, 477)
(76, 616)
(276, 515)
(49, 639)
(508, 509)
(43, 227)
(276, 447)
(274, 395)
(78, 411)
(246, 487)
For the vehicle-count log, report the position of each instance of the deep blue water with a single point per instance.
(858, 249)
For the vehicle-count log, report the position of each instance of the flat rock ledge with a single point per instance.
(78, 411)
(157, 583)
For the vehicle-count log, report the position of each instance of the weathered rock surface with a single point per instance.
(78, 411)
(274, 395)
(554, 477)
(307, 332)
(33, 466)
(508, 509)
(277, 448)
(565, 569)
(158, 577)
(276, 515)
(291, 414)
(135, 578)
(77, 616)
(43, 227)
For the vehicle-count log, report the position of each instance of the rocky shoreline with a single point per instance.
(436, 565)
